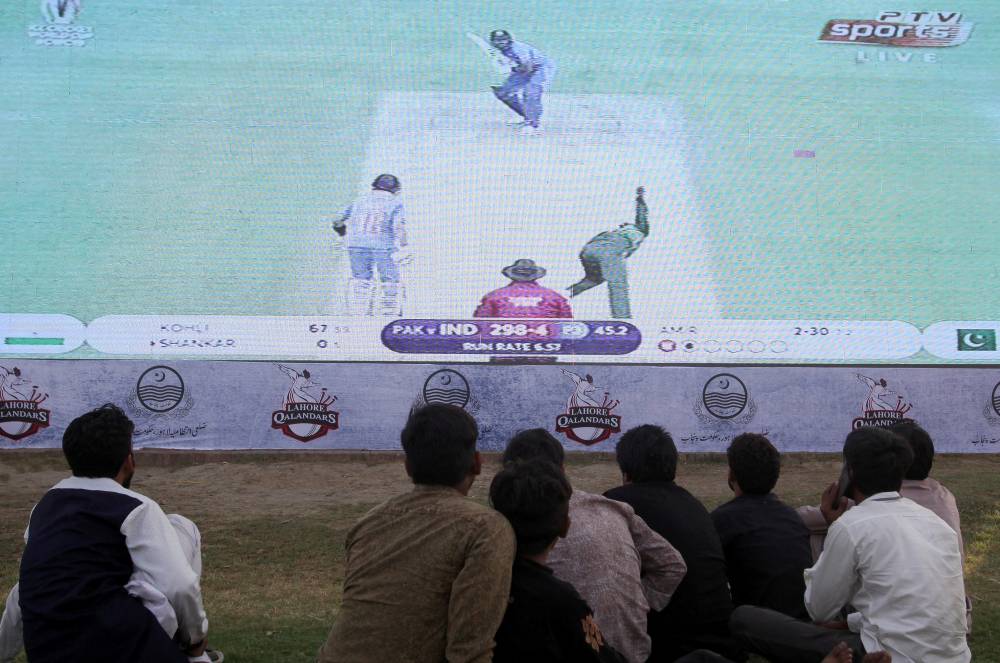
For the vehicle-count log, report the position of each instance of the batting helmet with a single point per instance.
(386, 182)
(500, 38)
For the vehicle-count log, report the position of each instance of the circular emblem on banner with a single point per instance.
(996, 398)
(160, 389)
(724, 396)
(447, 387)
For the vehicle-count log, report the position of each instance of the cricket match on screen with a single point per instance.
(689, 183)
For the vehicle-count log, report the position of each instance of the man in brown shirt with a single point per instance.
(428, 572)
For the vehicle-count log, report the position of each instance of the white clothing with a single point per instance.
(899, 566)
(166, 558)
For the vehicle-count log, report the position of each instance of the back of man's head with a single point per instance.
(877, 460)
(755, 463)
(534, 496)
(534, 444)
(647, 453)
(921, 445)
(97, 443)
(440, 444)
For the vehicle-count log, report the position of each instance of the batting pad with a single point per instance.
(479, 195)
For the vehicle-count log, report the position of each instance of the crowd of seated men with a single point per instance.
(545, 573)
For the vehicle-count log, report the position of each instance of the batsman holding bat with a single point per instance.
(530, 75)
(603, 258)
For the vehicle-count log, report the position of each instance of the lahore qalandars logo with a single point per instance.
(305, 414)
(588, 420)
(907, 29)
(20, 414)
(883, 407)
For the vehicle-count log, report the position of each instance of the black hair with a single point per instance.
(647, 453)
(921, 445)
(534, 443)
(497, 35)
(534, 497)
(97, 443)
(755, 463)
(386, 182)
(440, 444)
(877, 460)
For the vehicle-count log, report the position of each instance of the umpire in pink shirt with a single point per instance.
(523, 297)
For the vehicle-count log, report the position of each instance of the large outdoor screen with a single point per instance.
(716, 181)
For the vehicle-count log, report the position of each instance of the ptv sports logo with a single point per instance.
(588, 418)
(305, 414)
(913, 29)
(20, 414)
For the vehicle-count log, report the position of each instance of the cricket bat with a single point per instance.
(501, 64)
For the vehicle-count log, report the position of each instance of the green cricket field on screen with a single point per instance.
(656, 171)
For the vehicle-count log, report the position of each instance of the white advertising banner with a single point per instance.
(269, 405)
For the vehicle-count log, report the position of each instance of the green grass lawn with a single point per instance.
(273, 528)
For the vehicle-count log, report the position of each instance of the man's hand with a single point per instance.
(839, 654)
(832, 505)
(524, 68)
(196, 649)
(834, 626)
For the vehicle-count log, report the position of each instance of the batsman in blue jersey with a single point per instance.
(603, 258)
(531, 74)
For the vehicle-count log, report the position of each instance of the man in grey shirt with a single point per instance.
(621, 567)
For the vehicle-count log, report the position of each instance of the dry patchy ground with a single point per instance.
(273, 527)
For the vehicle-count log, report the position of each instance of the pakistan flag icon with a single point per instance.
(977, 340)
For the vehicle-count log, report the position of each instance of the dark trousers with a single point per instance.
(783, 639)
(671, 645)
(702, 656)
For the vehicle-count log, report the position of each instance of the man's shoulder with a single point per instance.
(555, 294)
(727, 508)
(97, 487)
(601, 507)
(103, 499)
(884, 510)
(539, 585)
(432, 502)
(918, 490)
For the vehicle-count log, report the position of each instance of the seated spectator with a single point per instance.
(138, 586)
(697, 616)
(917, 486)
(427, 573)
(765, 543)
(894, 562)
(105, 574)
(614, 560)
(546, 620)
(928, 493)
